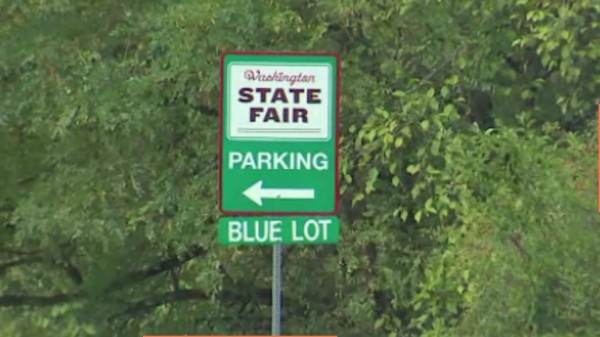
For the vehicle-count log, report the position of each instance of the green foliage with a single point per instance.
(468, 197)
(528, 239)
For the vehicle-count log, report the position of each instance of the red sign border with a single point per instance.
(337, 130)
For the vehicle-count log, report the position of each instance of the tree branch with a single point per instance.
(128, 279)
(18, 300)
(66, 266)
(18, 262)
(156, 268)
(158, 300)
(18, 252)
(262, 295)
(72, 271)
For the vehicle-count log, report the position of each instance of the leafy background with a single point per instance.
(469, 198)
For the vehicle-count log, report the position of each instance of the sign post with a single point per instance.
(278, 152)
(276, 291)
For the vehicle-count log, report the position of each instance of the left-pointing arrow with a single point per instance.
(256, 193)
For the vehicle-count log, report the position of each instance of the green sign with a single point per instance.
(278, 134)
(283, 230)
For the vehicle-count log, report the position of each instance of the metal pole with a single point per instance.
(276, 301)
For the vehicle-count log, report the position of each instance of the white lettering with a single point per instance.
(246, 236)
(295, 236)
(235, 231)
(325, 223)
(303, 161)
(320, 161)
(248, 161)
(265, 229)
(278, 161)
(234, 158)
(307, 225)
(276, 231)
(264, 160)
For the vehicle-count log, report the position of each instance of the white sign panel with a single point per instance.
(279, 101)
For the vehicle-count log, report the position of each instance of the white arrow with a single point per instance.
(257, 193)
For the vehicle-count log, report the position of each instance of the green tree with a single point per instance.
(468, 170)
